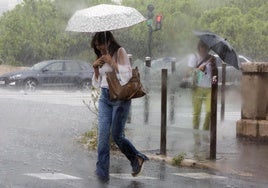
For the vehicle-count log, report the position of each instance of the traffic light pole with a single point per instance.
(150, 16)
(150, 34)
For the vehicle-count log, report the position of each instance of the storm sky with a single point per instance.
(8, 4)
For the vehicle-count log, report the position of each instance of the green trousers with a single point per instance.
(200, 96)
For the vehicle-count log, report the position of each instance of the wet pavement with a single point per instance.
(39, 147)
(234, 157)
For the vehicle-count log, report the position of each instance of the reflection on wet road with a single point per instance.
(39, 149)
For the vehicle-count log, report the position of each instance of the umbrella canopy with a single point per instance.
(104, 17)
(220, 46)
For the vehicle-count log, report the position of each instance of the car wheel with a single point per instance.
(30, 84)
(85, 85)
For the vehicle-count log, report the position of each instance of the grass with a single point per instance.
(89, 139)
(178, 159)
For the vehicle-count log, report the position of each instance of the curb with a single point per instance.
(190, 163)
(184, 163)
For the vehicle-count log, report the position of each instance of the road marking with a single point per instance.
(130, 177)
(52, 176)
(200, 175)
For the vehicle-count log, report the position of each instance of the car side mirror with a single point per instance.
(44, 70)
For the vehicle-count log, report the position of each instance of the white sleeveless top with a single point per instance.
(124, 68)
(204, 78)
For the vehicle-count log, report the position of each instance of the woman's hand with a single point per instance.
(98, 63)
(108, 59)
(202, 67)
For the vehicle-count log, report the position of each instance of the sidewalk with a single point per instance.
(234, 157)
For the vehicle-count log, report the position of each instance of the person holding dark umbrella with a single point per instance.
(112, 115)
(201, 65)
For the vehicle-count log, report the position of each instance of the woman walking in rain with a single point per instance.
(201, 65)
(112, 114)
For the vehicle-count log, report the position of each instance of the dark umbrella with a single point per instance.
(220, 46)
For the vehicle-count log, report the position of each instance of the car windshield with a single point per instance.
(85, 66)
(40, 65)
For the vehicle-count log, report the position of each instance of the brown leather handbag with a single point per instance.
(133, 89)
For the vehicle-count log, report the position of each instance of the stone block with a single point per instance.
(254, 96)
(248, 128)
(263, 128)
(254, 88)
(255, 67)
(255, 91)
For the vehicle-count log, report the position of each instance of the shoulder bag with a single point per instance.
(191, 81)
(133, 89)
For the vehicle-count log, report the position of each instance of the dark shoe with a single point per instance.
(138, 166)
(102, 179)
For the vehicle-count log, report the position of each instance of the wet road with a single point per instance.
(38, 134)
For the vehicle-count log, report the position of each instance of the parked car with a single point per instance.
(51, 73)
(241, 59)
(233, 76)
(153, 74)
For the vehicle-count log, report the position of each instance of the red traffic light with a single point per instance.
(158, 22)
(159, 18)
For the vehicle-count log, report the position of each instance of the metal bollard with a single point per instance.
(130, 109)
(130, 59)
(223, 81)
(213, 117)
(172, 94)
(163, 140)
(146, 98)
(148, 61)
(173, 65)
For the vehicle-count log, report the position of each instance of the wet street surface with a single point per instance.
(39, 148)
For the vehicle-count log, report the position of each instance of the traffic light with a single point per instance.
(150, 14)
(158, 20)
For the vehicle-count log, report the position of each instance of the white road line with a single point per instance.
(199, 176)
(53, 176)
(130, 177)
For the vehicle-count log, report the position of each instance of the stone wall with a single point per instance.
(254, 92)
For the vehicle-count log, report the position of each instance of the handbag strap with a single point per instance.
(117, 54)
(204, 60)
(140, 86)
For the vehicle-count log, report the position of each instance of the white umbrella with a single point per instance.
(104, 18)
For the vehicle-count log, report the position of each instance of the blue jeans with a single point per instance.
(112, 119)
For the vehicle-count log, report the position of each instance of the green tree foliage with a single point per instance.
(35, 29)
(243, 23)
(32, 31)
(179, 18)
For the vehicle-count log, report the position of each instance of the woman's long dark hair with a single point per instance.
(105, 38)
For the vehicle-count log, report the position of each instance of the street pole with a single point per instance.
(130, 109)
(150, 16)
(172, 94)
(147, 98)
(158, 25)
(163, 139)
(213, 117)
(223, 83)
(150, 38)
